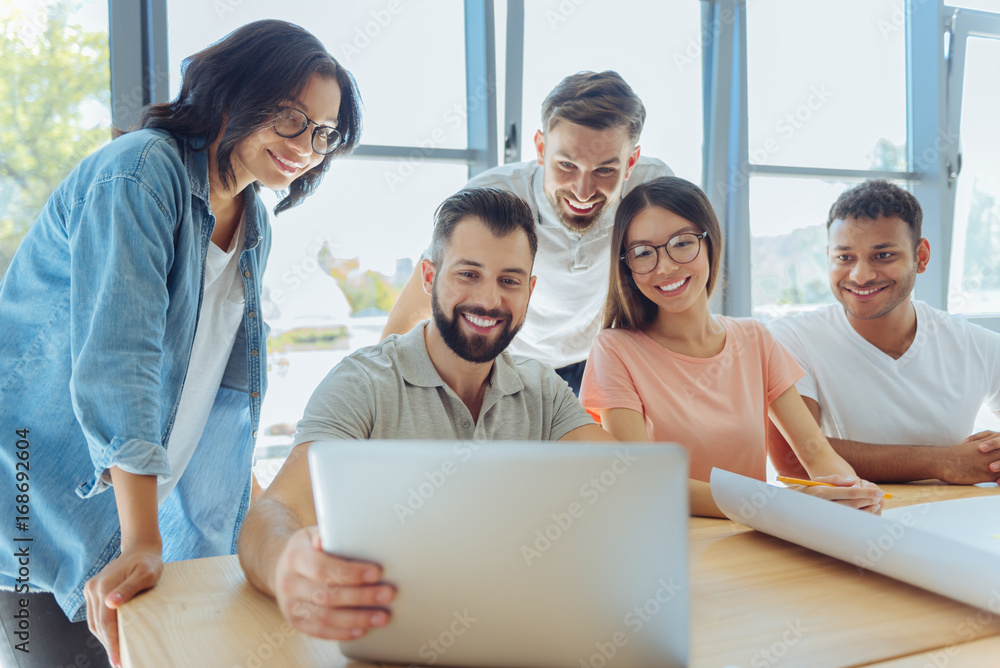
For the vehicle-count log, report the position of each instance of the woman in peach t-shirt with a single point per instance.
(666, 369)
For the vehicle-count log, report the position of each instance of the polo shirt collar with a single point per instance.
(416, 368)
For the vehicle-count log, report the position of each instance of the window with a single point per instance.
(975, 278)
(338, 260)
(656, 47)
(826, 104)
(54, 103)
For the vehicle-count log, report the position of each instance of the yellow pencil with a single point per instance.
(811, 483)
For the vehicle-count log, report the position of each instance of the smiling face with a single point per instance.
(584, 170)
(671, 286)
(276, 161)
(480, 291)
(873, 264)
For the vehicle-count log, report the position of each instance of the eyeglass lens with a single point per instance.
(292, 122)
(682, 249)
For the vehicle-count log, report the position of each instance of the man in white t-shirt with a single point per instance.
(588, 158)
(895, 384)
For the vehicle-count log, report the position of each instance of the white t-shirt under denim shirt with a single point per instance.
(929, 396)
(218, 322)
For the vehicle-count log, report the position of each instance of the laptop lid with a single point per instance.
(514, 553)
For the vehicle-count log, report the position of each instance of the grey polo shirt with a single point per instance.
(392, 391)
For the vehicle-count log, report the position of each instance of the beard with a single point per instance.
(476, 347)
(573, 221)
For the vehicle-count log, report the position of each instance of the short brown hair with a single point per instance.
(501, 211)
(627, 307)
(597, 100)
(876, 198)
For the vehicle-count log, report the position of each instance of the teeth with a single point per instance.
(480, 322)
(672, 286)
(290, 165)
(579, 205)
(865, 293)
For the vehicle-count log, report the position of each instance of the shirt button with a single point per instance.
(466, 423)
(254, 434)
(254, 353)
(247, 273)
(252, 314)
(255, 394)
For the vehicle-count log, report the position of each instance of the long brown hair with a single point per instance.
(627, 307)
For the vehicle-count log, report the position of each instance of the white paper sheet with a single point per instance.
(952, 552)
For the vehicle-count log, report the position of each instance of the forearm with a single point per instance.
(799, 427)
(135, 497)
(412, 305)
(266, 530)
(701, 500)
(891, 463)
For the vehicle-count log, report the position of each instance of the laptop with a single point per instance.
(514, 553)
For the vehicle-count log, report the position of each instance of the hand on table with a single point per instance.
(976, 459)
(136, 569)
(847, 491)
(327, 596)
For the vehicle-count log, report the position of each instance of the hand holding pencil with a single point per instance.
(811, 483)
(852, 492)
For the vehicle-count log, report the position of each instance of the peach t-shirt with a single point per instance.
(715, 407)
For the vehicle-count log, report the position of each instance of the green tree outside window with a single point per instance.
(56, 78)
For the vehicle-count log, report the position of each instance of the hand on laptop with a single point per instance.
(327, 596)
(851, 492)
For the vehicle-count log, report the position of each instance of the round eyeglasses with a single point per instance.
(289, 122)
(682, 249)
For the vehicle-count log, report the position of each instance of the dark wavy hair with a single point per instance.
(627, 307)
(239, 82)
(875, 198)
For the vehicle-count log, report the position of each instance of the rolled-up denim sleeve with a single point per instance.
(121, 249)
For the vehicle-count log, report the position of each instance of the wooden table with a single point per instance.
(756, 601)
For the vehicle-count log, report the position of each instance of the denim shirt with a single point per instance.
(98, 311)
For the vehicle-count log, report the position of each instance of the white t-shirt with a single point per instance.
(929, 396)
(564, 313)
(218, 322)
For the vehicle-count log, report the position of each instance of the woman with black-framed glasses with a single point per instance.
(133, 361)
(666, 369)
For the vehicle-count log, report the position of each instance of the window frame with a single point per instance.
(141, 27)
(960, 25)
